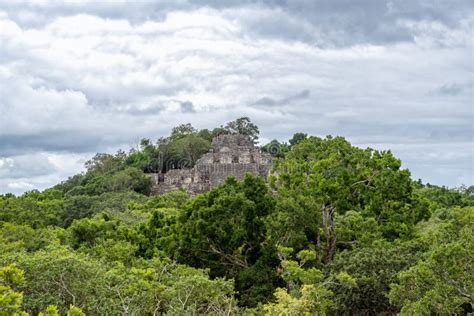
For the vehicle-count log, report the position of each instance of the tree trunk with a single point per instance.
(329, 232)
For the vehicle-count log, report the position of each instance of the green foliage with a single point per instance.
(243, 126)
(205, 134)
(159, 235)
(188, 149)
(307, 291)
(108, 173)
(224, 229)
(356, 229)
(180, 150)
(57, 276)
(75, 311)
(51, 310)
(442, 282)
(297, 138)
(37, 209)
(374, 267)
(10, 300)
(322, 179)
(182, 130)
(310, 300)
(276, 149)
(88, 231)
(80, 206)
(442, 197)
(226, 225)
(129, 179)
(337, 230)
(193, 293)
(68, 280)
(145, 158)
(29, 239)
(105, 163)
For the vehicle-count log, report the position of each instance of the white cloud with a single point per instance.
(79, 79)
(435, 33)
(22, 186)
(39, 170)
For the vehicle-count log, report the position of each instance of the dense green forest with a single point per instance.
(336, 229)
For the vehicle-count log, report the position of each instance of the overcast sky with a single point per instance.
(94, 77)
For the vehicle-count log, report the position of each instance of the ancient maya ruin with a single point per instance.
(230, 155)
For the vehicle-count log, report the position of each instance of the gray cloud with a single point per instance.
(320, 22)
(53, 141)
(38, 170)
(268, 101)
(452, 89)
(187, 107)
(25, 166)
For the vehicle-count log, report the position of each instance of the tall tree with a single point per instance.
(243, 126)
(442, 282)
(297, 138)
(320, 178)
(223, 230)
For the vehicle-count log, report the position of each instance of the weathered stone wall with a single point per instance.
(230, 155)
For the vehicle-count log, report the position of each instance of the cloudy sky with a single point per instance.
(81, 78)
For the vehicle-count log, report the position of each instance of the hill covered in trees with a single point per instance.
(336, 229)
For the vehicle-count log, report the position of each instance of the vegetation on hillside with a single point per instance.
(336, 230)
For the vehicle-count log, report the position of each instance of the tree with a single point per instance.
(374, 267)
(35, 208)
(188, 149)
(307, 291)
(182, 130)
(442, 197)
(321, 178)
(52, 310)
(11, 278)
(57, 276)
(105, 163)
(160, 234)
(297, 138)
(243, 126)
(75, 311)
(26, 238)
(205, 134)
(193, 293)
(183, 147)
(163, 287)
(337, 230)
(219, 131)
(441, 283)
(88, 231)
(10, 300)
(146, 158)
(76, 207)
(225, 226)
(223, 230)
(129, 179)
(275, 148)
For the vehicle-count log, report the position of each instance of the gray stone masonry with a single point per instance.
(230, 155)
